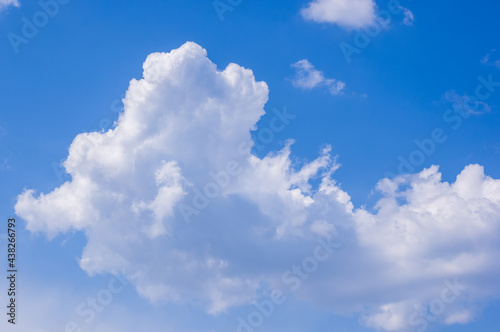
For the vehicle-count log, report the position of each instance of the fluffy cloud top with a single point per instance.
(186, 127)
(347, 13)
(307, 77)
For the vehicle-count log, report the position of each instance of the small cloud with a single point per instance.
(4, 165)
(354, 14)
(466, 104)
(307, 77)
(7, 3)
(409, 17)
(486, 60)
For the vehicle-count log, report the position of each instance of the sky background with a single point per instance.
(71, 76)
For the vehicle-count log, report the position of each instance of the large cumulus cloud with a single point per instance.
(183, 125)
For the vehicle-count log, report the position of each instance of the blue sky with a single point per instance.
(71, 76)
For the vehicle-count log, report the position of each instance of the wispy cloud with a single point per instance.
(307, 77)
(466, 104)
(409, 16)
(487, 59)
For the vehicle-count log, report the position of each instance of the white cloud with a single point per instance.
(127, 181)
(346, 13)
(409, 17)
(6, 3)
(184, 120)
(466, 105)
(307, 77)
(486, 60)
(433, 235)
